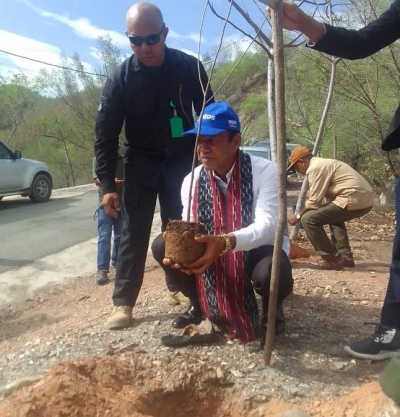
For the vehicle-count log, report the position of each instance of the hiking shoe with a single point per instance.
(120, 318)
(383, 344)
(348, 259)
(102, 277)
(176, 298)
(334, 263)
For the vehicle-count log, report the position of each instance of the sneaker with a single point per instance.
(348, 259)
(383, 344)
(120, 318)
(176, 298)
(334, 263)
(102, 277)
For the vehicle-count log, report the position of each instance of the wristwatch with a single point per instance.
(298, 217)
(228, 245)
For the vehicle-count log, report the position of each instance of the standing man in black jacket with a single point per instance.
(356, 44)
(152, 94)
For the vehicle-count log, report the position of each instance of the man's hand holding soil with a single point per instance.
(215, 245)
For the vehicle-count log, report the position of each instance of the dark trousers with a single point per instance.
(391, 306)
(138, 204)
(260, 264)
(313, 222)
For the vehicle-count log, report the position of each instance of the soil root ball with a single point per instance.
(180, 245)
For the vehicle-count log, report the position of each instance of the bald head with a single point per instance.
(147, 33)
(147, 14)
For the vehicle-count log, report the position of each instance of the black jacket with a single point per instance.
(140, 98)
(356, 44)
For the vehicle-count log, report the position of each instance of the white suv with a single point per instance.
(25, 177)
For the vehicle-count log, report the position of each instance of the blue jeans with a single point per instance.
(391, 306)
(105, 226)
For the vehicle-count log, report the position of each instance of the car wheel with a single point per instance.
(41, 189)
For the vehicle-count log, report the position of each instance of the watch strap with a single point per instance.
(228, 245)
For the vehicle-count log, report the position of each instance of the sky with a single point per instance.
(46, 29)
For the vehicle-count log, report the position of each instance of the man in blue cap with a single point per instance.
(235, 196)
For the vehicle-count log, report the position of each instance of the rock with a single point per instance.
(237, 373)
(16, 385)
(294, 413)
(291, 391)
(340, 365)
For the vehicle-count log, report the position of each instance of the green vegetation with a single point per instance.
(58, 127)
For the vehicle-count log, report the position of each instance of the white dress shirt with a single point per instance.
(265, 205)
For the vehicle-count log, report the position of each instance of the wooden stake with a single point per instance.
(278, 55)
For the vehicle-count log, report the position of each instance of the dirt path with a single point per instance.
(130, 373)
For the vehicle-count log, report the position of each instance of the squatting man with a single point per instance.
(235, 196)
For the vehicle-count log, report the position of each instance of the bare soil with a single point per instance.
(89, 371)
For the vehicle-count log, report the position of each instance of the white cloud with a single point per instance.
(195, 37)
(29, 48)
(84, 29)
(82, 26)
(234, 45)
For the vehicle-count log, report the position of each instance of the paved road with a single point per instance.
(32, 231)
(48, 244)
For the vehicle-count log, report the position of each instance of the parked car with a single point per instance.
(266, 143)
(262, 148)
(25, 177)
(263, 152)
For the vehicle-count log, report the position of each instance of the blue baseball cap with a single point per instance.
(217, 118)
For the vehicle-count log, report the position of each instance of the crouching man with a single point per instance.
(235, 196)
(337, 194)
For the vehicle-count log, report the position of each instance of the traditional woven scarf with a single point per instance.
(225, 291)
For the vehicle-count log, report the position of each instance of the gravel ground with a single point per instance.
(326, 310)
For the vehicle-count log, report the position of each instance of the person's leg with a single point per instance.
(138, 211)
(340, 241)
(385, 342)
(260, 267)
(182, 282)
(171, 208)
(391, 306)
(313, 222)
(118, 228)
(340, 238)
(104, 229)
(170, 204)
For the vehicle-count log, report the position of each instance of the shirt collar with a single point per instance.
(228, 175)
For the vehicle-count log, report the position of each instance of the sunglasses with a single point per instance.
(148, 40)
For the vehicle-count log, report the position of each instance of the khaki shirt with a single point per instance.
(338, 183)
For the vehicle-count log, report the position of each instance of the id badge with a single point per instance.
(176, 123)
(176, 126)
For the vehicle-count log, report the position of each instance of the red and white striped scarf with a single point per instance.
(225, 290)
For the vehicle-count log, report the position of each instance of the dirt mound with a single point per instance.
(143, 385)
(297, 252)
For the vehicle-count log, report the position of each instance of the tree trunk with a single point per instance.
(304, 187)
(271, 108)
(277, 38)
(69, 163)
